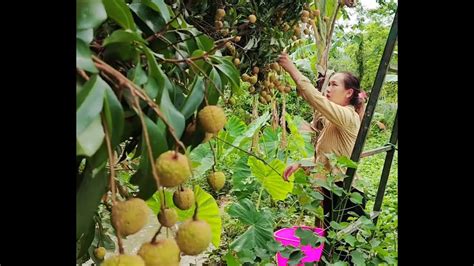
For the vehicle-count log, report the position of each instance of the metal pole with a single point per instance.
(374, 95)
(386, 168)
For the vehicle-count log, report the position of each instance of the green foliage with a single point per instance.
(116, 39)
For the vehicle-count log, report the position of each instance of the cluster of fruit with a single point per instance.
(193, 236)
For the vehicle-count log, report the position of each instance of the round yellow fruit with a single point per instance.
(245, 77)
(207, 137)
(275, 66)
(167, 217)
(220, 13)
(217, 180)
(193, 237)
(164, 252)
(172, 168)
(255, 70)
(124, 260)
(236, 61)
(99, 253)
(183, 199)
(130, 216)
(253, 79)
(252, 19)
(212, 118)
(237, 38)
(218, 24)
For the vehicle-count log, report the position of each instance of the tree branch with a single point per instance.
(125, 82)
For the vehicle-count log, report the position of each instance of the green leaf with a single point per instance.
(199, 65)
(207, 210)
(119, 12)
(231, 260)
(89, 14)
(273, 246)
(143, 178)
(85, 35)
(357, 257)
(316, 195)
(212, 92)
(330, 8)
(151, 20)
(226, 67)
(138, 75)
(295, 257)
(260, 230)
(272, 181)
(152, 88)
(86, 240)
(174, 117)
(88, 197)
(270, 141)
(346, 162)
(235, 126)
(335, 225)
(204, 42)
(242, 180)
(156, 72)
(356, 197)
(261, 252)
(374, 242)
(246, 256)
(114, 117)
(89, 103)
(307, 237)
(125, 36)
(90, 139)
(194, 99)
(202, 159)
(83, 57)
(252, 128)
(160, 7)
(350, 239)
(295, 140)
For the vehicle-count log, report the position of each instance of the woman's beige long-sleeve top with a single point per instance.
(339, 132)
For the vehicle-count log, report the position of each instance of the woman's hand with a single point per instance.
(286, 63)
(290, 170)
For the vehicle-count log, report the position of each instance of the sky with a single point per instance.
(370, 4)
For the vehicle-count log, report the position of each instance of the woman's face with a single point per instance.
(336, 92)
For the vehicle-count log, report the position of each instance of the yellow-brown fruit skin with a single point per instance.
(168, 217)
(212, 118)
(130, 216)
(193, 237)
(183, 199)
(216, 180)
(124, 260)
(252, 19)
(99, 253)
(165, 252)
(220, 13)
(172, 168)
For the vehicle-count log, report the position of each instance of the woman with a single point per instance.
(337, 117)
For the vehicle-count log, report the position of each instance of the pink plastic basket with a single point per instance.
(286, 236)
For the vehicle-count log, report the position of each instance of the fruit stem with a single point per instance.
(153, 240)
(195, 211)
(138, 109)
(259, 198)
(214, 155)
(123, 82)
(163, 206)
(110, 155)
